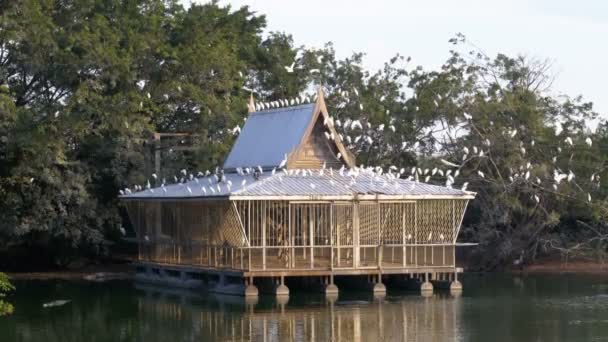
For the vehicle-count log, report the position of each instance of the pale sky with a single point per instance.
(573, 34)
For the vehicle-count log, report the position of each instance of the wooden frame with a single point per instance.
(269, 236)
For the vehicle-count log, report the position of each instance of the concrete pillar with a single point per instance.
(331, 289)
(282, 290)
(251, 291)
(426, 288)
(379, 288)
(455, 286)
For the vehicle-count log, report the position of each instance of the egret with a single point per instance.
(289, 68)
(464, 186)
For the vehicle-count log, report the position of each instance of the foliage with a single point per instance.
(5, 286)
(84, 85)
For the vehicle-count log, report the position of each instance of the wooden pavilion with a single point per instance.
(290, 202)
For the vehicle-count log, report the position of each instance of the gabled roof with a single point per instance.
(268, 136)
(302, 185)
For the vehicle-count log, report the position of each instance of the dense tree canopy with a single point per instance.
(84, 85)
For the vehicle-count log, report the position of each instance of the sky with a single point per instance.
(572, 34)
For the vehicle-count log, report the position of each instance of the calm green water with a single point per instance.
(492, 308)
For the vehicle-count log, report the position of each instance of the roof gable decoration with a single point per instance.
(320, 111)
(276, 137)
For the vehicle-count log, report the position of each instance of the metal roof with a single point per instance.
(268, 136)
(300, 184)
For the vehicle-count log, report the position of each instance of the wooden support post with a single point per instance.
(355, 233)
(338, 242)
(416, 233)
(263, 213)
(249, 237)
(311, 224)
(331, 236)
(292, 252)
(404, 250)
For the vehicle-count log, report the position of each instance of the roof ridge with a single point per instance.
(281, 109)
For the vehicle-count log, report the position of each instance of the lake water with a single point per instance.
(494, 307)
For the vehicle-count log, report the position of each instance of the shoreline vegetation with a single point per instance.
(85, 88)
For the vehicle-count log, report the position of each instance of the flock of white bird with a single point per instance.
(354, 132)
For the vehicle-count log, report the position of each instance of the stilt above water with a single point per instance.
(251, 291)
(426, 288)
(331, 290)
(379, 289)
(456, 288)
(282, 291)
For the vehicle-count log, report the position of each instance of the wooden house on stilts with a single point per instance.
(291, 203)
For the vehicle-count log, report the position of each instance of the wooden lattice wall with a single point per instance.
(288, 234)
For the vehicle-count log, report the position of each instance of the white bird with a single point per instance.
(536, 198)
(56, 303)
(289, 68)
(467, 116)
(513, 133)
(464, 186)
(570, 176)
(356, 123)
(445, 162)
(569, 141)
(589, 141)
(481, 174)
(588, 197)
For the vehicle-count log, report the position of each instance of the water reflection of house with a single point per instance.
(291, 202)
(435, 318)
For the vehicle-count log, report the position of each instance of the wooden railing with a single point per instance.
(316, 257)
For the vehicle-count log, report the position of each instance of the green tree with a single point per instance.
(5, 286)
